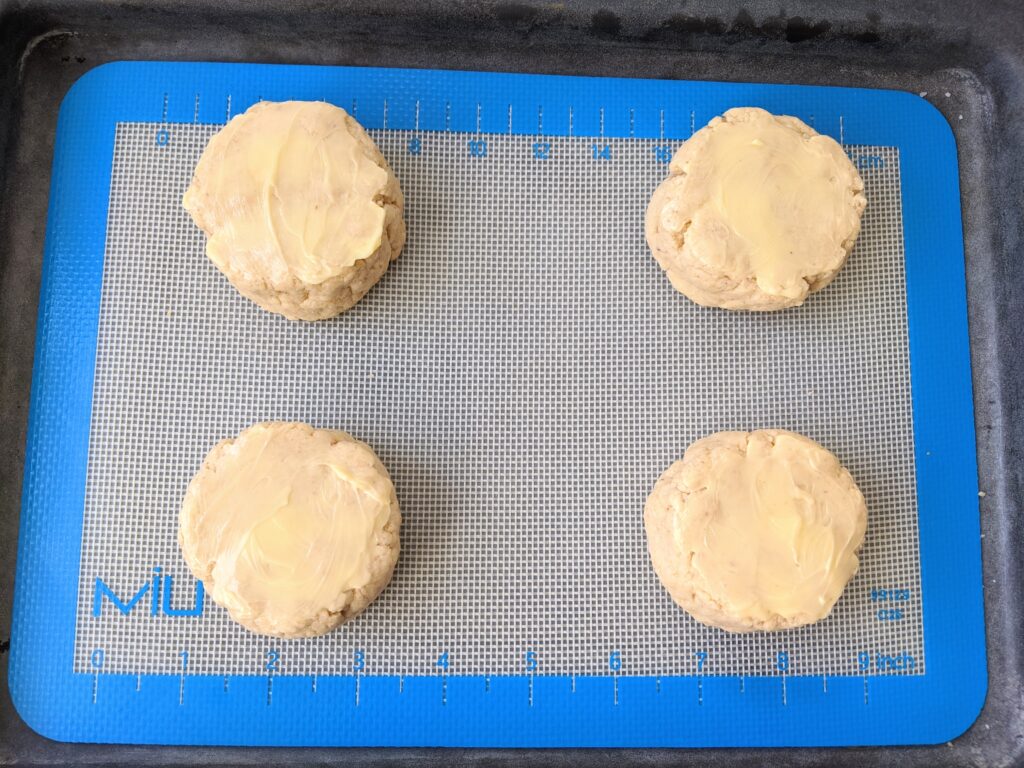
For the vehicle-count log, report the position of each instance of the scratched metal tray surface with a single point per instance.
(601, 23)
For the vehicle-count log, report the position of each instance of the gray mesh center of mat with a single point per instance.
(525, 372)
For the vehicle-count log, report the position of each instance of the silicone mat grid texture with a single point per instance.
(525, 372)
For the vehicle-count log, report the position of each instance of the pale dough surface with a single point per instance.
(301, 210)
(758, 211)
(755, 531)
(292, 529)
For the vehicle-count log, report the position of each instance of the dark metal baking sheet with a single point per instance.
(968, 61)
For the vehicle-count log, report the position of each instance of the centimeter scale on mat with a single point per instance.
(883, 693)
(476, 146)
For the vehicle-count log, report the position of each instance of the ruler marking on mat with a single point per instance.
(530, 681)
(181, 679)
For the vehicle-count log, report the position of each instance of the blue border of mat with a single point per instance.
(613, 711)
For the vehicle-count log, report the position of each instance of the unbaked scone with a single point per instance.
(758, 212)
(755, 531)
(292, 529)
(301, 210)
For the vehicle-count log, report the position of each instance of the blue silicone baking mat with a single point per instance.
(525, 372)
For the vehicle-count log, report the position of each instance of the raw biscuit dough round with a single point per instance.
(292, 529)
(301, 210)
(755, 531)
(758, 212)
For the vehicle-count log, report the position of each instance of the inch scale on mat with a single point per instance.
(273, 660)
(396, 684)
(336, 693)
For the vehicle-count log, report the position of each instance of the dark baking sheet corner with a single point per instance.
(967, 60)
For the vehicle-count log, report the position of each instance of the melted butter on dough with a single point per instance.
(288, 523)
(758, 211)
(763, 530)
(769, 182)
(285, 196)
